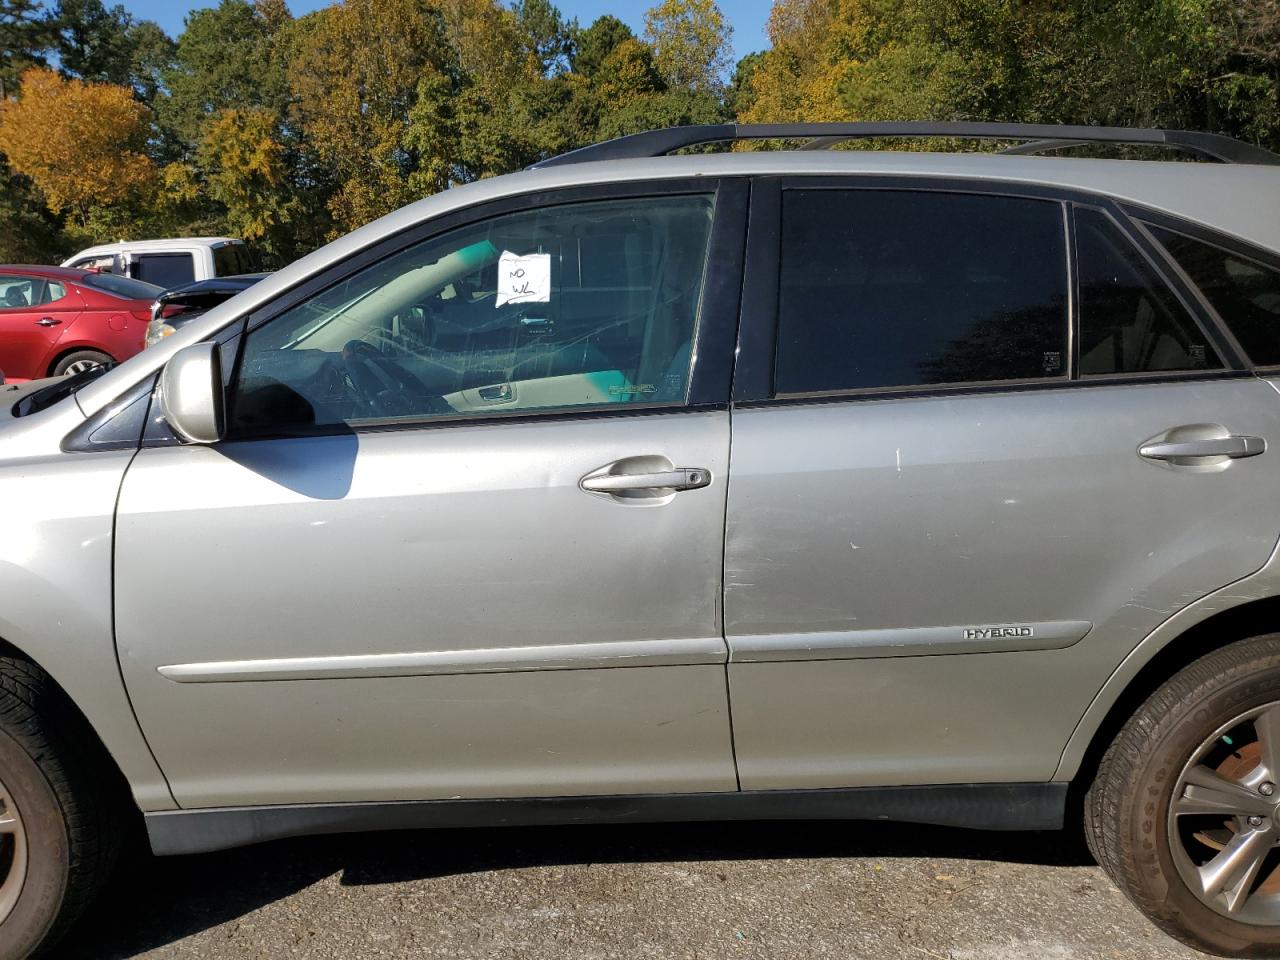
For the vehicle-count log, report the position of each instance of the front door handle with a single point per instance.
(1234, 447)
(47, 322)
(678, 478)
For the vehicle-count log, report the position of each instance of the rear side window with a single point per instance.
(1243, 291)
(1130, 322)
(231, 259)
(890, 288)
(164, 269)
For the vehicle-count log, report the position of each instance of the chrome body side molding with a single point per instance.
(561, 656)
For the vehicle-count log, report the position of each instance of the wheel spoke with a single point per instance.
(1267, 726)
(1207, 792)
(8, 823)
(1231, 873)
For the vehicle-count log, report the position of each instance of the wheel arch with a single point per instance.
(64, 350)
(1173, 646)
(107, 720)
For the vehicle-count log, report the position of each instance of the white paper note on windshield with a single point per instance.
(524, 279)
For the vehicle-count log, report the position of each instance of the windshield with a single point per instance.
(125, 288)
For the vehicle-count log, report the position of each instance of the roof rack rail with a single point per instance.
(1043, 137)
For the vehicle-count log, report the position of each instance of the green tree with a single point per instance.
(690, 40)
(26, 34)
(228, 56)
(92, 41)
(547, 36)
(598, 41)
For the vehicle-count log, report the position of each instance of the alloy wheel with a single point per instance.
(1224, 818)
(13, 853)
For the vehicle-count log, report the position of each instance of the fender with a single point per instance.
(1262, 584)
(57, 518)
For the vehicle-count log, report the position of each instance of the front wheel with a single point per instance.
(1184, 813)
(58, 829)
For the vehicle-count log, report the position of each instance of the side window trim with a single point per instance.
(1140, 217)
(715, 333)
(753, 383)
(1175, 282)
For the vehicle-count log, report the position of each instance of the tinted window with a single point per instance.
(122, 287)
(1130, 322)
(578, 305)
(1244, 292)
(165, 270)
(884, 288)
(231, 259)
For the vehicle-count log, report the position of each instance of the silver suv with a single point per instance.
(757, 484)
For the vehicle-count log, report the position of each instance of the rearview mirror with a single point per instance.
(191, 397)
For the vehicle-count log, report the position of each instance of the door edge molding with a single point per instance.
(560, 656)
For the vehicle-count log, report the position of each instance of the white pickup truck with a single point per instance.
(168, 263)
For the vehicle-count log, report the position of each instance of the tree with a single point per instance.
(690, 40)
(226, 58)
(151, 56)
(81, 144)
(93, 41)
(355, 76)
(596, 42)
(26, 33)
(29, 232)
(246, 171)
(546, 35)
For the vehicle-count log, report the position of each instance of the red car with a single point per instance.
(55, 320)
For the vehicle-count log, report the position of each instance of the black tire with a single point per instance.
(68, 797)
(64, 364)
(1127, 806)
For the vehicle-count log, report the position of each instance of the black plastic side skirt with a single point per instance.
(982, 806)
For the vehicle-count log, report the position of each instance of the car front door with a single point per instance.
(957, 500)
(464, 537)
(33, 312)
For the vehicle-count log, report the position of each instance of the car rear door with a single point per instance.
(465, 539)
(983, 443)
(33, 313)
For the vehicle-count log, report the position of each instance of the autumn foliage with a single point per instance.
(82, 144)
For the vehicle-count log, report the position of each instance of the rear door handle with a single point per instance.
(1234, 447)
(678, 478)
(47, 322)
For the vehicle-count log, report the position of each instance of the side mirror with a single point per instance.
(191, 395)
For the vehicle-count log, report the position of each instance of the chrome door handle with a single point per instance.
(1233, 447)
(680, 478)
(47, 322)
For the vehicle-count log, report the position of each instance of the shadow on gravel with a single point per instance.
(158, 900)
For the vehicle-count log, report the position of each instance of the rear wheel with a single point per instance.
(1184, 813)
(78, 361)
(58, 797)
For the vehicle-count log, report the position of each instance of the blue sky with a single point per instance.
(747, 16)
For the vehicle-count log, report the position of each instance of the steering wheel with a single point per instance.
(385, 388)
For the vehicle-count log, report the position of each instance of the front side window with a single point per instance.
(581, 305)
(892, 288)
(1243, 291)
(1130, 322)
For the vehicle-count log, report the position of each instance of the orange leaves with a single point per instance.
(80, 143)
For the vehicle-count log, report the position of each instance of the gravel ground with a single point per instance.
(865, 891)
